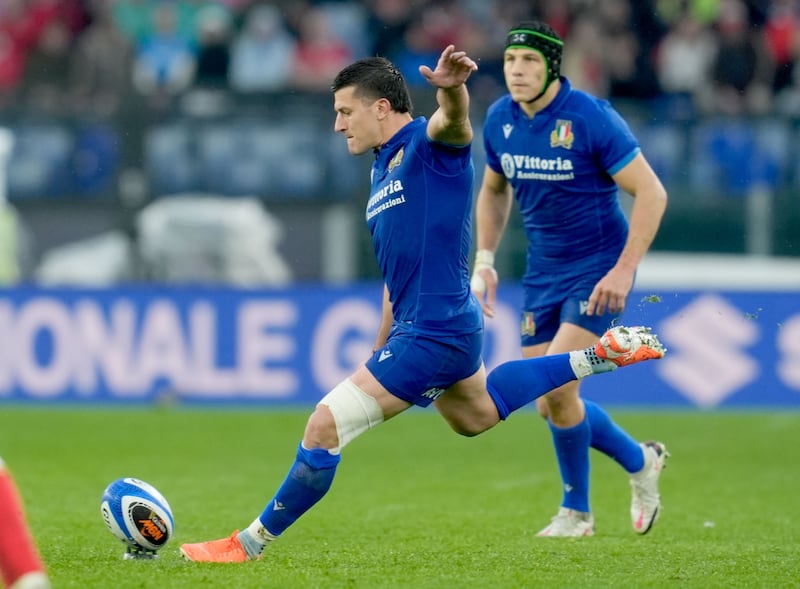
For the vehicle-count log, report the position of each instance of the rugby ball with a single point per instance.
(136, 513)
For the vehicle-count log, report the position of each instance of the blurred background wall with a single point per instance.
(187, 142)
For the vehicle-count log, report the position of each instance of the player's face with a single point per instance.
(525, 71)
(357, 120)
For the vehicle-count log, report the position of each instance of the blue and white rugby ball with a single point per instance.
(136, 513)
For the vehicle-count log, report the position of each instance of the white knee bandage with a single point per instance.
(354, 411)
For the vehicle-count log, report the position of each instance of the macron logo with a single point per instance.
(507, 128)
(277, 506)
(384, 354)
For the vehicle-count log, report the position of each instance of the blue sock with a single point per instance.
(308, 480)
(572, 453)
(516, 383)
(612, 440)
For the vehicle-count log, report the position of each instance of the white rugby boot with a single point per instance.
(645, 499)
(568, 523)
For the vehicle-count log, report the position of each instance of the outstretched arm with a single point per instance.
(450, 123)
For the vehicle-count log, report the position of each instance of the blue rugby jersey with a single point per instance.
(420, 217)
(559, 164)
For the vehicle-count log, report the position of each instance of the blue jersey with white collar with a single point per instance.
(560, 164)
(420, 217)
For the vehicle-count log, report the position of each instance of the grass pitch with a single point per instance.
(413, 505)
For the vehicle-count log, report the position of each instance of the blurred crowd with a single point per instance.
(91, 56)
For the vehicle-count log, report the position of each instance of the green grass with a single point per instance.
(413, 504)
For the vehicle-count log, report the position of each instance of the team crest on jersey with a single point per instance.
(396, 160)
(562, 135)
(507, 128)
(528, 326)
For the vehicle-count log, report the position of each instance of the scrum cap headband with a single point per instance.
(542, 38)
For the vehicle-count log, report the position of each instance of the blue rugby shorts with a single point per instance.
(552, 299)
(418, 366)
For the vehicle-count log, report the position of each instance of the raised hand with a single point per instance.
(452, 69)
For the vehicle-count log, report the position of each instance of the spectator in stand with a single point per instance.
(559, 15)
(435, 25)
(631, 72)
(582, 63)
(72, 13)
(683, 62)
(133, 18)
(213, 47)
(100, 67)
(21, 25)
(47, 32)
(261, 56)
(347, 19)
(387, 22)
(419, 47)
(12, 53)
(13, 49)
(165, 61)
(319, 53)
(488, 24)
(741, 67)
(703, 11)
(787, 97)
(136, 17)
(45, 81)
(782, 35)
(293, 12)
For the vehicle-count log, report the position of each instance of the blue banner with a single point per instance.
(290, 346)
(724, 348)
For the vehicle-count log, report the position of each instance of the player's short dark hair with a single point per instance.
(543, 38)
(374, 78)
